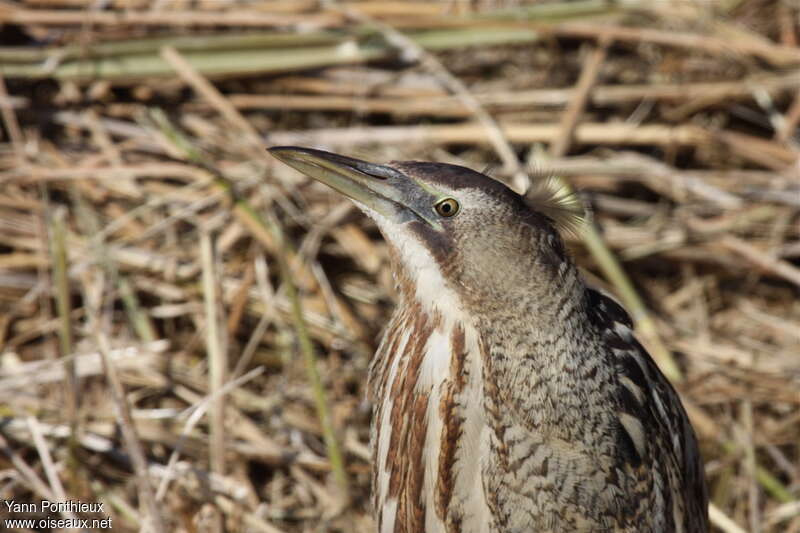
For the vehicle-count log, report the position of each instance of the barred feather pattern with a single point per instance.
(466, 438)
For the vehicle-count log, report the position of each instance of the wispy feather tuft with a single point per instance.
(549, 196)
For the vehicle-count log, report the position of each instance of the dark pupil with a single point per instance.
(446, 207)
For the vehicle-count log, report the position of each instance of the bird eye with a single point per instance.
(447, 207)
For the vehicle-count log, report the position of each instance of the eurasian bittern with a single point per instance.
(507, 395)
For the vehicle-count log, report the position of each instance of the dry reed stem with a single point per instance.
(47, 459)
(16, 15)
(10, 120)
(586, 133)
(776, 54)
(217, 360)
(761, 260)
(60, 270)
(722, 521)
(34, 373)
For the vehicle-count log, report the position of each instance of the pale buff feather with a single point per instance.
(552, 197)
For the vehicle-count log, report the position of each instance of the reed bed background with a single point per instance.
(185, 325)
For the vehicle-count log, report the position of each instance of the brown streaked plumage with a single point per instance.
(508, 396)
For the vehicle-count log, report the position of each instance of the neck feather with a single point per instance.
(426, 386)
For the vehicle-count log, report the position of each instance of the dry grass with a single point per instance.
(185, 325)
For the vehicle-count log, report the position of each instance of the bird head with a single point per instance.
(447, 222)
